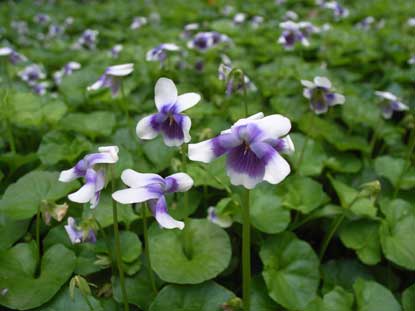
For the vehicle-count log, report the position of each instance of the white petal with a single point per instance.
(84, 194)
(144, 130)
(165, 92)
(96, 86)
(163, 218)
(386, 95)
(274, 126)
(134, 195)
(322, 82)
(111, 151)
(307, 93)
(221, 221)
(68, 175)
(182, 181)
(202, 152)
(5, 51)
(257, 116)
(305, 42)
(276, 169)
(186, 125)
(135, 179)
(120, 70)
(339, 99)
(242, 179)
(307, 84)
(187, 100)
(289, 145)
(401, 106)
(170, 47)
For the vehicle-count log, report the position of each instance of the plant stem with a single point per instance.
(107, 241)
(374, 137)
(407, 164)
(38, 231)
(301, 156)
(117, 243)
(125, 103)
(187, 238)
(246, 252)
(147, 247)
(333, 228)
(87, 301)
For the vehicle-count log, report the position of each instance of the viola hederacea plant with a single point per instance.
(122, 190)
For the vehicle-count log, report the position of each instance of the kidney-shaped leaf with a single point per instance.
(371, 296)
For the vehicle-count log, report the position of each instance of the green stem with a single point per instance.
(118, 244)
(303, 148)
(87, 301)
(374, 137)
(246, 252)
(106, 239)
(333, 228)
(411, 143)
(38, 231)
(125, 103)
(147, 247)
(187, 237)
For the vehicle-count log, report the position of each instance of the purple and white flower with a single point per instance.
(188, 30)
(32, 73)
(296, 32)
(253, 147)
(116, 50)
(169, 120)
(159, 53)
(138, 22)
(411, 22)
(67, 70)
(41, 19)
(94, 179)
(411, 61)
(88, 39)
(55, 30)
(256, 21)
(224, 221)
(78, 235)
(321, 95)
(112, 78)
(239, 18)
(290, 16)
(366, 23)
(338, 10)
(13, 56)
(204, 41)
(40, 88)
(232, 85)
(152, 188)
(390, 103)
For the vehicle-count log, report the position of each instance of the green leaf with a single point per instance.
(344, 163)
(25, 291)
(22, 199)
(208, 296)
(57, 146)
(362, 236)
(130, 246)
(63, 302)
(11, 230)
(302, 194)
(158, 153)
(267, 212)
(290, 270)
(371, 296)
(210, 252)
(92, 124)
(259, 296)
(397, 232)
(396, 171)
(213, 174)
(338, 299)
(314, 155)
(408, 298)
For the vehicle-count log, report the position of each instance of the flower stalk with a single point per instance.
(246, 253)
(187, 237)
(147, 247)
(118, 244)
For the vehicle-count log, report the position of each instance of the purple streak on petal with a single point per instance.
(91, 237)
(243, 160)
(172, 127)
(157, 188)
(224, 142)
(157, 119)
(329, 97)
(81, 167)
(171, 184)
(278, 144)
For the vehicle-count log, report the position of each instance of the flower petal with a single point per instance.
(159, 209)
(399, 106)
(179, 182)
(274, 126)
(134, 195)
(69, 175)
(307, 84)
(135, 179)
(222, 221)
(386, 95)
(165, 93)
(276, 169)
(339, 99)
(84, 194)
(120, 70)
(186, 101)
(322, 82)
(145, 128)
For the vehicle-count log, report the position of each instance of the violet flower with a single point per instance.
(138, 22)
(223, 221)
(94, 179)
(188, 29)
(256, 21)
(338, 10)
(411, 61)
(112, 78)
(88, 39)
(13, 56)
(321, 95)
(253, 147)
(152, 188)
(67, 70)
(41, 19)
(159, 53)
(295, 32)
(203, 41)
(32, 74)
(116, 50)
(232, 85)
(390, 103)
(169, 120)
(290, 16)
(78, 235)
(40, 88)
(239, 18)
